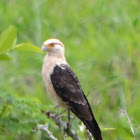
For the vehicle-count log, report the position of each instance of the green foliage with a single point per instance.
(102, 47)
(28, 47)
(8, 39)
(4, 57)
(19, 115)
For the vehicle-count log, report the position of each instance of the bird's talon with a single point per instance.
(57, 106)
(47, 113)
(68, 124)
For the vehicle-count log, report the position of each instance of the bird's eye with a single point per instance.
(51, 44)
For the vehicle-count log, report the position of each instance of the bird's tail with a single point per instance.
(93, 127)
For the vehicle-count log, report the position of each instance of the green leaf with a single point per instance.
(4, 57)
(28, 47)
(8, 39)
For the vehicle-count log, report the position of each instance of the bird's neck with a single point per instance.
(56, 55)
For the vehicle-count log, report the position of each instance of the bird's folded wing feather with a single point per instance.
(69, 90)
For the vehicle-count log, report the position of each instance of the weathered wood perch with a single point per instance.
(62, 125)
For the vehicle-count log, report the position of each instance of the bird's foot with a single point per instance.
(57, 106)
(59, 114)
(47, 113)
(68, 124)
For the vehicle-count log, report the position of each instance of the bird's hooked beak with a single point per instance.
(44, 48)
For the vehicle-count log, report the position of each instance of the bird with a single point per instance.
(64, 87)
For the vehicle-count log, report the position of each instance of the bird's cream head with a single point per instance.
(53, 45)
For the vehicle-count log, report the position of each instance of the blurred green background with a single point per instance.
(101, 38)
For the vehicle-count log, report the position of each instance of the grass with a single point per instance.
(102, 47)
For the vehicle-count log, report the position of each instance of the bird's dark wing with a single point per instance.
(68, 88)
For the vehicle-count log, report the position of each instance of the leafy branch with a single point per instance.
(8, 40)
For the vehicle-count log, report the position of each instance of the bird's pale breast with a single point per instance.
(47, 70)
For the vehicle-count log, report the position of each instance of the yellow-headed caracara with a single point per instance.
(63, 85)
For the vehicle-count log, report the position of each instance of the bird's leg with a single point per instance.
(48, 111)
(68, 121)
(66, 125)
(57, 106)
(59, 113)
(58, 110)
